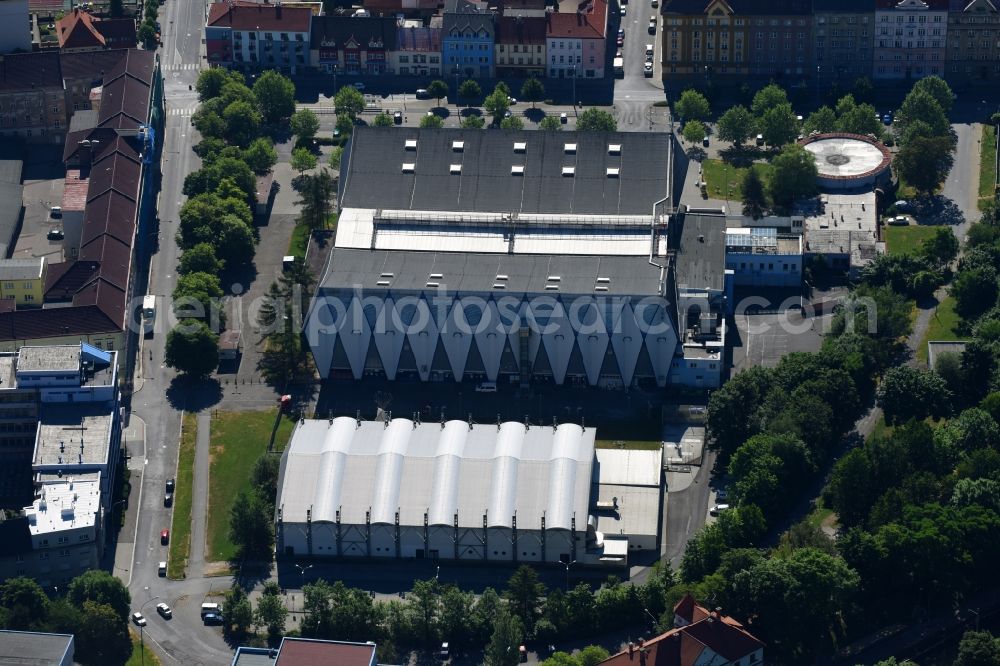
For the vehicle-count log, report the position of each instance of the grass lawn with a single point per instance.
(720, 177)
(180, 528)
(238, 439)
(906, 240)
(138, 658)
(642, 445)
(818, 515)
(881, 429)
(943, 326)
(987, 165)
(299, 241)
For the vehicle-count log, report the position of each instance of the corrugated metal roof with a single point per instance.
(442, 470)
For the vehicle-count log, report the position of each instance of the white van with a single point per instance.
(148, 314)
(649, 49)
(210, 608)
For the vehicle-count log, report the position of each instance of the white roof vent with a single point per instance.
(501, 276)
(385, 274)
(614, 149)
(568, 170)
(520, 146)
(613, 172)
(436, 276)
(499, 285)
(455, 168)
(517, 170)
(600, 288)
(408, 167)
(382, 283)
(458, 146)
(554, 278)
(433, 285)
(411, 144)
(569, 148)
(603, 280)
(551, 287)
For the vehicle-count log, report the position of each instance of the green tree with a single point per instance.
(592, 655)
(456, 617)
(473, 122)
(431, 122)
(754, 198)
(778, 125)
(860, 119)
(863, 88)
(316, 195)
(192, 348)
(694, 131)
(497, 103)
(197, 295)
(974, 291)
(242, 123)
(972, 429)
(550, 124)
(344, 124)
(692, 105)
(349, 101)
(424, 605)
(734, 410)
(524, 593)
(532, 90)
(210, 82)
(941, 248)
(211, 178)
(335, 155)
(512, 123)
(102, 636)
(937, 88)
(470, 91)
(304, 124)
(271, 612)
(101, 588)
(596, 120)
(736, 125)
(275, 96)
(146, 35)
(303, 160)
(908, 393)
(794, 175)
(437, 89)
(250, 526)
(919, 105)
(237, 612)
(768, 97)
(978, 648)
(505, 640)
(924, 163)
(821, 120)
(382, 119)
(260, 155)
(25, 603)
(234, 241)
(208, 123)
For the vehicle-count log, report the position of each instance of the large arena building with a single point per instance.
(517, 257)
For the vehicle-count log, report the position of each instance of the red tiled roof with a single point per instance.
(76, 30)
(23, 326)
(26, 71)
(304, 652)
(259, 16)
(579, 25)
(74, 191)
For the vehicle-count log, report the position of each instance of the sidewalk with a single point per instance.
(199, 495)
(134, 437)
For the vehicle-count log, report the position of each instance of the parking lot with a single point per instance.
(763, 338)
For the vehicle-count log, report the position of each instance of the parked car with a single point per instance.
(397, 117)
(621, 41)
(358, 85)
(138, 619)
(170, 485)
(168, 499)
(55, 234)
(704, 142)
(654, 3)
(486, 387)
(647, 70)
(760, 140)
(624, 11)
(721, 494)
(164, 611)
(719, 508)
(423, 93)
(165, 537)
(898, 221)
(563, 118)
(161, 569)
(887, 119)
(211, 618)
(651, 28)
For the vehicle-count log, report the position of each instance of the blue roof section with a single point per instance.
(92, 353)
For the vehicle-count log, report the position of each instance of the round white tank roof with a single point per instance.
(846, 156)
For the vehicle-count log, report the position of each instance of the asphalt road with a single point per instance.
(183, 639)
(635, 94)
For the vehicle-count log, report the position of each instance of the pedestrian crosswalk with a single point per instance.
(185, 66)
(180, 112)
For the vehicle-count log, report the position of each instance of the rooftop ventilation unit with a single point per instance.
(613, 172)
(517, 170)
(569, 148)
(554, 278)
(499, 285)
(382, 283)
(408, 167)
(614, 149)
(436, 276)
(455, 168)
(501, 276)
(433, 285)
(603, 280)
(386, 274)
(411, 144)
(568, 170)
(458, 146)
(600, 288)
(551, 287)
(520, 146)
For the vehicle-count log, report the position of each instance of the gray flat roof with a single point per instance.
(49, 358)
(72, 425)
(28, 648)
(701, 257)
(477, 272)
(21, 269)
(373, 174)
(11, 203)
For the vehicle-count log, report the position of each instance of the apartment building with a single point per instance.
(467, 38)
(352, 45)
(520, 48)
(843, 36)
(81, 31)
(910, 39)
(418, 48)
(23, 281)
(576, 39)
(32, 98)
(973, 43)
(257, 34)
(738, 38)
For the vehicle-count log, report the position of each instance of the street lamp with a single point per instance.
(651, 617)
(302, 570)
(142, 644)
(568, 565)
(437, 574)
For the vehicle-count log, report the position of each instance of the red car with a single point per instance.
(165, 537)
